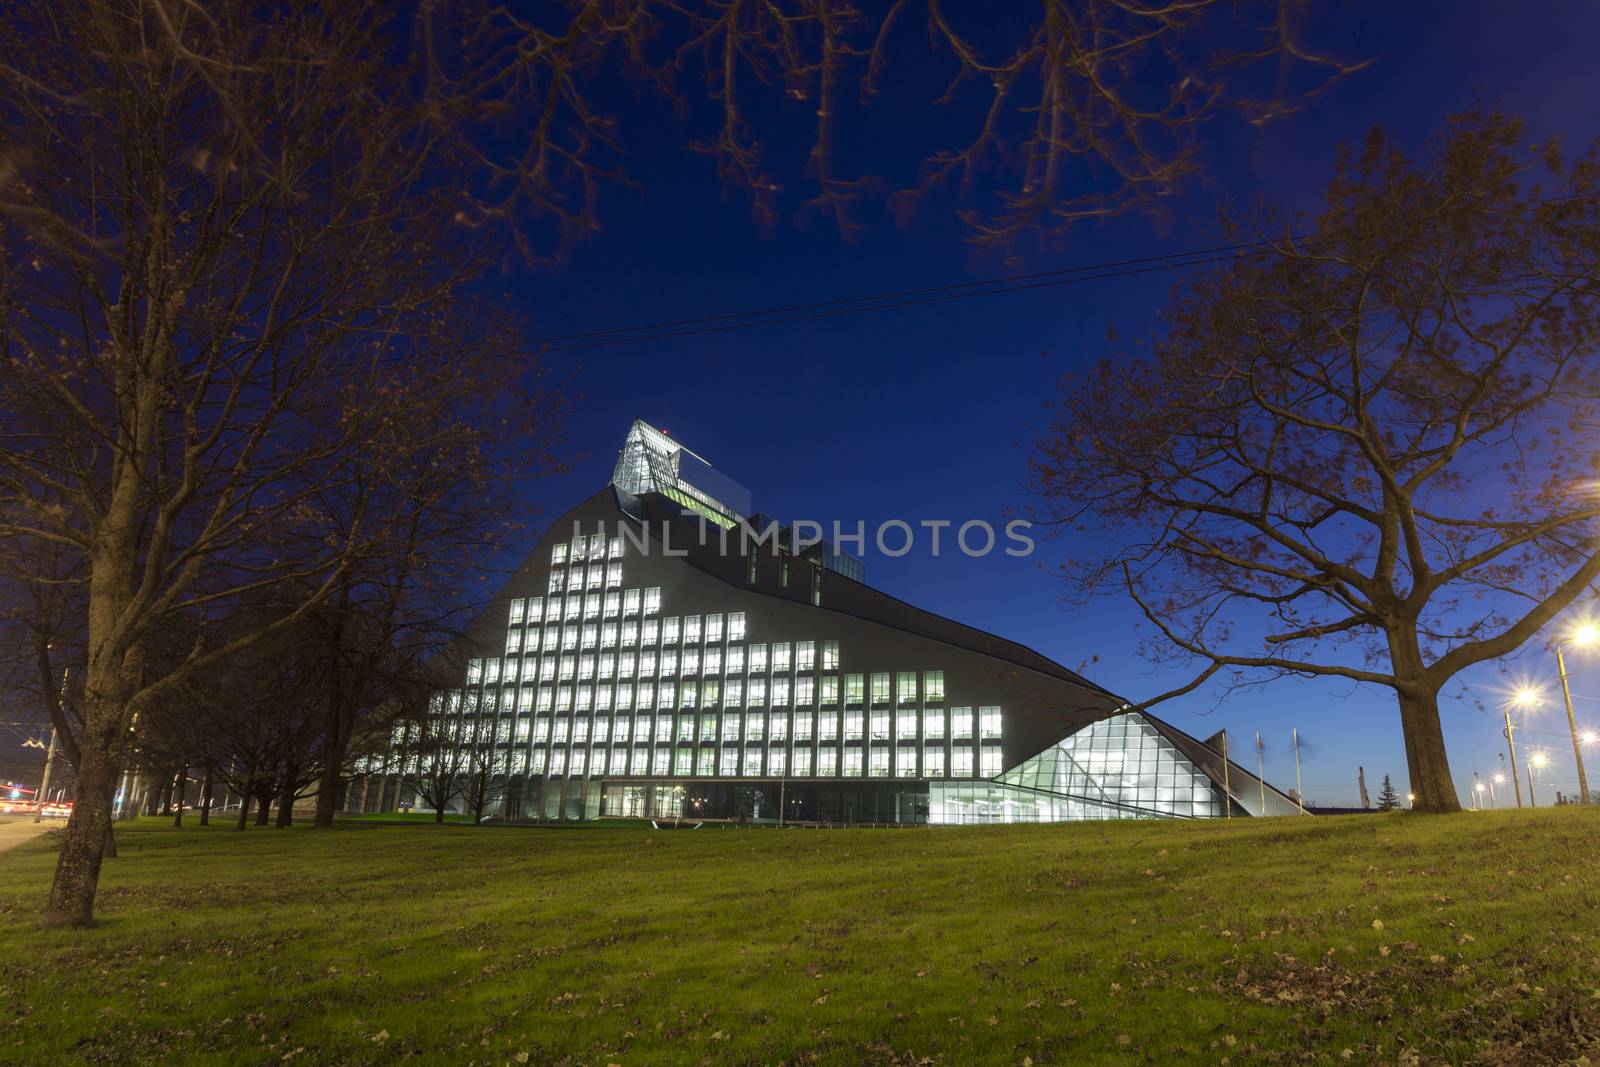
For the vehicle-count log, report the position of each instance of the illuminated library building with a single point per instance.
(632, 671)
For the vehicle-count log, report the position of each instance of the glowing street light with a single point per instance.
(1524, 698)
(1536, 761)
(1585, 635)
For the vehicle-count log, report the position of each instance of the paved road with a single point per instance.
(14, 832)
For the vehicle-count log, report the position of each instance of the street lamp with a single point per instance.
(1495, 779)
(1536, 761)
(1525, 697)
(1477, 796)
(1585, 635)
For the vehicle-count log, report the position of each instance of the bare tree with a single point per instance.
(1368, 451)
(435, 748)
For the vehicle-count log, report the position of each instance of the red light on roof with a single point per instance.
(665, 432)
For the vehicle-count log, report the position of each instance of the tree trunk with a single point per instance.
(263, 806)
(178, 790)
(286, 798)
(206, 786)
(110, 852)
(164, 796)
(1429, 768)
(84, 843)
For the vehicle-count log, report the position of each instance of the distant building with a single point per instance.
(648, 661)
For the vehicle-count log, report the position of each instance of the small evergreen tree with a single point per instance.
(1388, 799)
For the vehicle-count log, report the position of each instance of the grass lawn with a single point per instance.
(1370, 939)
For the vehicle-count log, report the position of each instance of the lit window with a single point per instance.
(783, 573)
(630, 633)
(827, 762)
(591, 633)
(730, 762)
(535, 612)
(547, 698)
(630, 602)
(705, 762)
(780, 692)
(536, 764)
(852, 763)
(880, 763)
(880, 689)
(569, 637)
(730, 728)
(613, 606)
(626, 665)
(525, 698)
(713, 661)
(691, 629)
(816, 585)
(558, 763)
(608, 635)
(708, 728)
(906, 687)
(669, 664)
(602, 702)
(669, 631)
(563, 698)
(734, 693)
(780, 726)
(614, 576)
(830, 690)
(775, 762)
(591, 607)
(491, 670)
(684, 761)
(853, 690)
(513, 641)
(830, 655)
(736, 626)
(619, 761)
(585, 697)
(710, 693)
(933, 761)
(750, 570)
(541, 730)
(753, 727)
(933, 687)
(804, 690)
(569, 667)
(990, 763)
(557, 578)
(736, 659)
(474, 671)
(990, 722)
(558, 554)
(960, 722)
(647, 696)
(517, 607)
(652, 600)
(905, 725)
(648, 631)
(624, 703)
(622, 731)
(687, 695)
(662, 762)
(805, 654)
(961, 762)
(552, 639)
(574, 604)
(758, 658)
(585, 667)
(933, 724)
(804, 726)
(597, 577)
(713, 627)
(852, 725)
(758, 693)
(667, 695)
(647, 664)
(780, 657)
(880, 726)
(691, 661)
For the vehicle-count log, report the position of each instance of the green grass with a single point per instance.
(1398, 938)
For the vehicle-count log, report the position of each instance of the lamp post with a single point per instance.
(1522, 698)
(1495, 779)
(1539, 761)
(1585, 636)
(1477, 795)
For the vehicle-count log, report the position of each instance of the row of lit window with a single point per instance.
(586, 546)
(668, 664)
(611, 605)
(755, 762)
(804, 690)
(653, 633)
(734, 727)
(578, 579)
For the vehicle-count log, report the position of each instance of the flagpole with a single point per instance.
(1299, 791)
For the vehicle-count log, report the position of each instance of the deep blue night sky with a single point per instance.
(928, 412)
